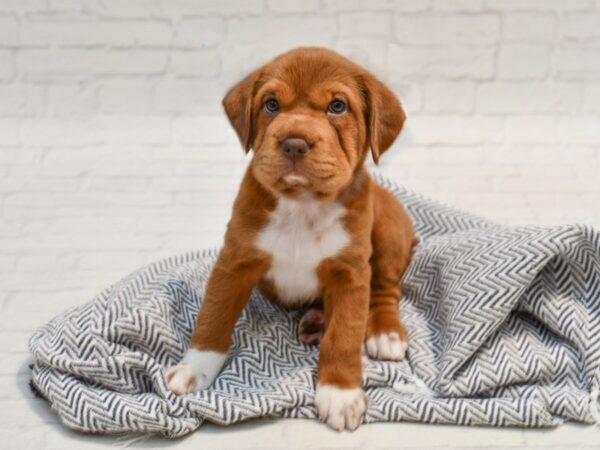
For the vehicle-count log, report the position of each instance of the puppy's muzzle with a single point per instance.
(294, 149)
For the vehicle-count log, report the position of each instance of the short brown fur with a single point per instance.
(360, 286)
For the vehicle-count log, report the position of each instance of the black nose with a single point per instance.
(294, 148)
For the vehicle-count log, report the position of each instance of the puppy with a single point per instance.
(309, 226)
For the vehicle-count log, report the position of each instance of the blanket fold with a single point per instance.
(504, 329)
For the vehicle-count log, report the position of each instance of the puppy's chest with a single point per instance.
(299, 235)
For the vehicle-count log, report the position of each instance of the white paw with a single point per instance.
(181, 380)
(340, 408)
(197, 371)
(387, 346)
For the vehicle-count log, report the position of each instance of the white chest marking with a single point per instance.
(299, 235)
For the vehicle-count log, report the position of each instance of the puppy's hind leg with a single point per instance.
(312, 325)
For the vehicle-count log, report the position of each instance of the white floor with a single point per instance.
(27, 422)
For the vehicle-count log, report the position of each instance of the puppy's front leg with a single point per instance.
(339, 398)
(227, 293)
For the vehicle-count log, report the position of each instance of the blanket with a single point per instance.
(503, 322)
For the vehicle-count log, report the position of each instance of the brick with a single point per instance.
(591, 98)
(410, 95)
(193, 7)
(523, 61)
(241, 59)
(189, 96)
(461, 184)
(577, 63)
(203, 130)
(531, 129)
(202, 64)
(529, 27)
(579, 130)
(135, 130)
(294, 31)
(81, 200)
(459, 5)
(117, 184)
(123, 153)
(475, 30)
(74, 157)
(126, 262)
(130, 8)
(9, 31)
(66, 5)
(126, 97)
(580, 27)
(430, 130)
(449, 97)
(440, 171)
(140, 168)
(365, 24)
(199, 32)
(71, 63)
(289, 6)
(394, 5)
(88, 224)
(12, 6)
(12, 184)
(502, 98)
(9, 132)
(50, 31)
(53, 184)
(69, 100)
(458, 155)
(587, 182)
(19, 156)
(533, 5)
(45, 132)
(450, 63)
(229, 152)
(187, 183)
(367, 51)
(21, 99)
(541, 183)
(7, 262)
(7, 65)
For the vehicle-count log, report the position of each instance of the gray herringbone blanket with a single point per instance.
(504, 326)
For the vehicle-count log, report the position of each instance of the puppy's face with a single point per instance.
(310, 116)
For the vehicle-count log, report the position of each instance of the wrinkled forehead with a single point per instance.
(309, 79)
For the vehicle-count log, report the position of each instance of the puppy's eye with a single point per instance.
(337, 107)
(271, 106)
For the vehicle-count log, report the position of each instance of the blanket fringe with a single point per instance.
(595, 406)
(123, 442)
(412, 386)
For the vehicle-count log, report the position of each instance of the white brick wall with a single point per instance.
(114, 150)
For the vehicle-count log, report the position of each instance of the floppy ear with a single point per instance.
(384, 115)
(238, 106)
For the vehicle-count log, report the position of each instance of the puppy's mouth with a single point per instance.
(295, 181)
(293, 184)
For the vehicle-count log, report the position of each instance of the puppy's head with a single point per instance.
(310, 116)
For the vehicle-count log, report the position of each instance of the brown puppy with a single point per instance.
(310, 225)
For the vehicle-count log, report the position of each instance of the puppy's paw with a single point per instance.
(387, 346)
(181, 380)
(340, 408)
(197, 371)
(312, 326)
